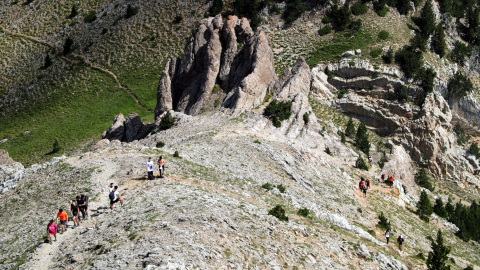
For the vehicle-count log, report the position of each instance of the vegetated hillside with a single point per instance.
(213, 209)
(51, 90)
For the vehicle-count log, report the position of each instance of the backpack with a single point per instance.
(111, 195)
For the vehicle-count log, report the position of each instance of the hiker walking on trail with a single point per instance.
(383, 177)
(390, 180)
(81, 204)
(387, 235)
(110, 188)
(161, 166)
(362, 187)
(150, 169)
(52, 230)
(74, 212)
(85, 205)
(63, 216)
(368, 184)
(115, 197)
(400, 240)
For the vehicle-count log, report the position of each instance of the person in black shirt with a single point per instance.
(81, 206)
(74, 211)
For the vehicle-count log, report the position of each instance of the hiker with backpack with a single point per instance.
(81, 204)
(52, 230)
(390, 180)
(114, 197)
(362, 187)
(161, 166)
(400, 241)
(150, 169)
(74, 212)
(383, 177)
(85, 205)
(63, 216)
(368, 184)
(387, 235)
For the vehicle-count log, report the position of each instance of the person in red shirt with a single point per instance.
(63, 216)
(52, 230)
(390, 179)
(383, 177)
(368, 183)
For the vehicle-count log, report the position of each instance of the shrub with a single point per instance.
(278, 212)
(67, 47)
(374, 53)
(342, 138)
(278, 111)
(439, 45)
(382, 161)
(216, 8)
(304, 212)
(361, 164)
(459, 53)
(382, 12)
(388, 57)
(306, 117)
(427, 75)
(460, 132)
(342, 92)
(132, 236)
(327, 29)
(167, 121)
(426, 22)
(267, 186)
(73, 13)
(354, 26)
(384, 223)
(176, 154)
(178, 19)
(56, 147)
(293, 10)
(281, 188)
(359, 8)
(160, 144)
(326, 19)
(474, 150)
(361, 139)
(383, 35)
(401, 94)
(257, 142)
(327, 150)
(459, 85)
(91, 16)
(47, 62)
(422, 179)
(340, 17)
(131, 11)
(409, 60)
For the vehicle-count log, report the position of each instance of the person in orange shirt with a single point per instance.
(63, 216)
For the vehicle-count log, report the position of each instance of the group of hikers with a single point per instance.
(400, 238)
(78, 205)
(364, 184)
(161, 168)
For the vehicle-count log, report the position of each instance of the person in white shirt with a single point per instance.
(116, 198)
(150, 169)
(387, 235)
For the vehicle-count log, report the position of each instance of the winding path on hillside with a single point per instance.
(82, 59)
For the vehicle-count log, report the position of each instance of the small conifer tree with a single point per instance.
(439, 44)
(427, 19)
(350, 130)
(361, 139)
(439, 209)
(474, 150)
(167, 121)
(422, 179)
(438, 257)
(424, 206)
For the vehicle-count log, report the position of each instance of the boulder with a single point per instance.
(117, 129)
(134, 127)
(251, 73)
(4, 158)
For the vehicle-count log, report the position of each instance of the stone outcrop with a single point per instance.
(295, 86)
(211, 57)
(467, 108)
(4, 158)
(127, 130)
(352, 68)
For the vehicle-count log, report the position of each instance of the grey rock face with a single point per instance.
(250, 74)
(134, 127)
(117, 129)
(467, 108)
(295, 86)
(210, 55)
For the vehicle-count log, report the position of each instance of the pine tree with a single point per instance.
(361, 139)
(73, 13)
(216, 8)
(449, 209)
(427, 19)
(474, 150)
(422, 179)
(439, 209)
(403, 6)
(424, 206)
(350, 130)
(437, 258)
(439, 44)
